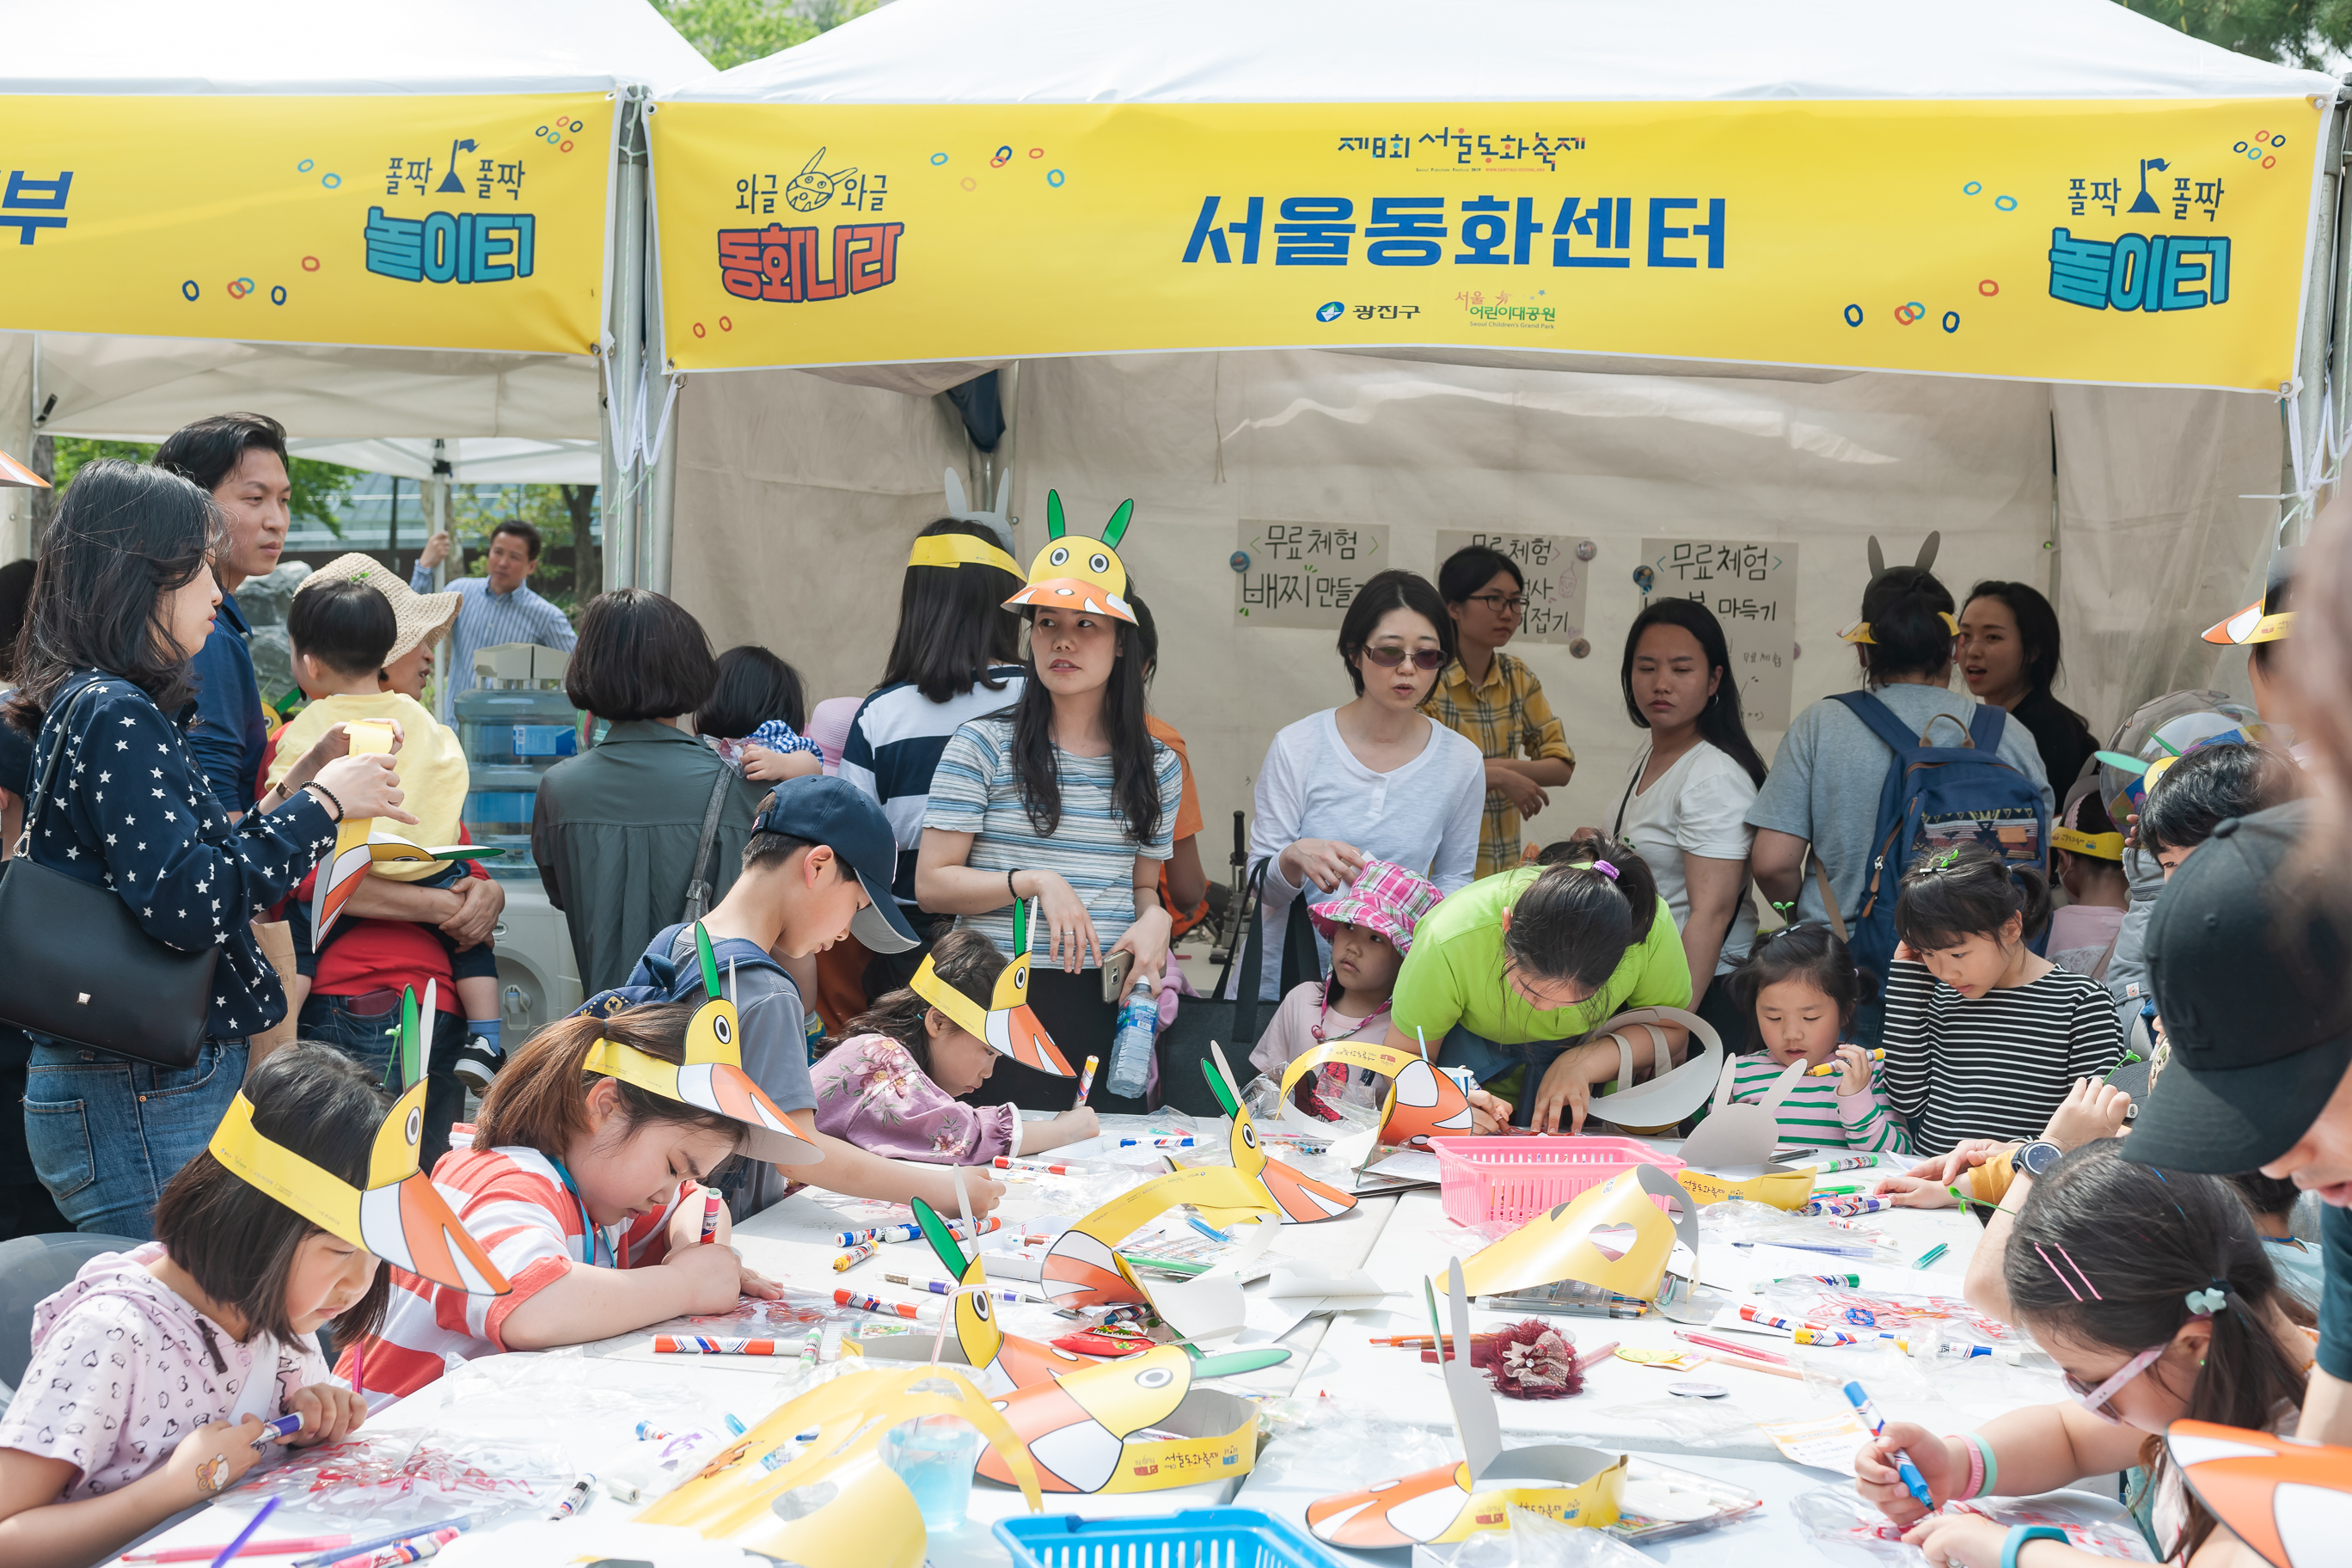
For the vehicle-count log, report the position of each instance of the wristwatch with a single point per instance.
(2036, 1158)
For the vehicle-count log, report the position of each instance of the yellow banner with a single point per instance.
(2110, 241)
(452, 223)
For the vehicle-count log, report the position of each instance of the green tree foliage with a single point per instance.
(2289, 32)
(319, 487)
(563, 515)
(727, 32)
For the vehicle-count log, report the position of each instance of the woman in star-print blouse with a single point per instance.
(123, 600)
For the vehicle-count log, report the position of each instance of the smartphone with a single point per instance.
(1114, 976)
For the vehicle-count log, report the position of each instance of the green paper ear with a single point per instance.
(2117, 760)
(408, 1040)
(710, 962)
(1217, 1087)
(1233, 1363)
(943, 1242)
(1055, 526)
(1116, 528)
(1020, 925)
(1429, 1292)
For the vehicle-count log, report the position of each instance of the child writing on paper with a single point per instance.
(339, 631)
(1983, 1038)
(584, 1188)
(2154, 1295)
(1369, 927)
(891, 1086)
(154, 1371)
(1799, 989)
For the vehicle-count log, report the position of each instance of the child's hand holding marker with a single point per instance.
(1853, 1061)
(1905, 1469)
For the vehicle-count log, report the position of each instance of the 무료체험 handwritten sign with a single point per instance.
(1751, 586)
(1304, 574)
(1555, 578)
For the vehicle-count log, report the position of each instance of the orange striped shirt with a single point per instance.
(513, 1203)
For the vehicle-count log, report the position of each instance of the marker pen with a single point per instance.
(1876, 1054)
(278, 1431)
(711, 1209)
(1913, 1482)
(572, 1502)
(1085, 1081)
(1013, 1163)
(854, 1257)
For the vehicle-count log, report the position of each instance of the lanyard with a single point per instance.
(592, 1243)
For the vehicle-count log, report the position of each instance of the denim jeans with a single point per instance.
(366, 1029)
(1489, 1060)
(106, 1133)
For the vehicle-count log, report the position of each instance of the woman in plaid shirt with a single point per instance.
(1495, 701)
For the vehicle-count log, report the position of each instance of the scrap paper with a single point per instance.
(1826, 1442)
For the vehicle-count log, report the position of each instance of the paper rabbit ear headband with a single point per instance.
(1008, 1025)
(1078, 572)
(398, 1215)
(1859, 631)
(960, 550)
(712, 1076)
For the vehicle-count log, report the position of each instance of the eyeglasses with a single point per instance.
(1389, 655)
(2096, 1400)
(1503, 604)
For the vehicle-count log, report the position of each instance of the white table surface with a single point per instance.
(588, 1400)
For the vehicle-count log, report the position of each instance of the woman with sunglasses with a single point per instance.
(1373, 779)
(1495, 701)
(2153, 1293)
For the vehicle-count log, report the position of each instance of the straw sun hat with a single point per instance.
(421, 618)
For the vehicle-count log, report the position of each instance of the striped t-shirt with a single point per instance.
(1994, 1067)
(975, 790)
(894, 748)
(511, 1202)
(1814, 1115)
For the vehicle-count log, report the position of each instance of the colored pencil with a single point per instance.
(1712, 1344)
(250, 1548)
(413, 1548)
(237, 1545)
(1085, 1081)
(463, 1522)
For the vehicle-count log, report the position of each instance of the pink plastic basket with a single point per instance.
(1510, 1178)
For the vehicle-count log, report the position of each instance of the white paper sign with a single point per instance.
(1751, 586)
(1304, 574)
(1555, 578)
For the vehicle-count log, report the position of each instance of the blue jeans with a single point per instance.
(365, 1028)
(1490, 1059)
(106, 1133)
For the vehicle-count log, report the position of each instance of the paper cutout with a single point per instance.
(712, 1076)
(960, 550)
(838, 1505)
(1299, 1197)
(1666, 1099)
(1574, 1485)
(1080, 1426)
(1422, 1102)
(999, 520)
(338, 876)
(2100, 845)
(14, 475)
(399, 1215)
(2291, 1502)
(1777, 1185)
(1077, 571)
(1741, 1134)
(1000, 1362)
(1008, 1026)
(386, 848)
(1557, 1244)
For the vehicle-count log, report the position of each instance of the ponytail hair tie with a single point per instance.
(2205, 1303)
(1605, 868)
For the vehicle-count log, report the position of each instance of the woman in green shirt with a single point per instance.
(1512, 974)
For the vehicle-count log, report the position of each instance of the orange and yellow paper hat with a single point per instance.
(1007, 1026)
(1076, 571)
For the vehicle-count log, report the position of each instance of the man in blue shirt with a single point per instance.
(241, 459)
(496, 609)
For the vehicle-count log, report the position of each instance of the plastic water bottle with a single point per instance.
(1130, 1048)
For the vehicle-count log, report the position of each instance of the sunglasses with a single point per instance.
(1389, 655)
(2096, 1400)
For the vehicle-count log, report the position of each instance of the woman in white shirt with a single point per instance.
(1375, 779)
(1688, 794)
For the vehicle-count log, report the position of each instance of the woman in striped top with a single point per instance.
(1797, 991)
(1983, 1038)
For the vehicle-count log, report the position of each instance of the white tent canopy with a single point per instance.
(2140, 510)
(145, 388)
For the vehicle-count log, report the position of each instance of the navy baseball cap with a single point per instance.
(833, 813)
(2248, 965)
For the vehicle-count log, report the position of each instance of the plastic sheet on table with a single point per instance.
(1687, 1423)
(1534, 1540)
(402, 1477)
(1737, 1220)
(1848, 1531)
(553, 1380)
(1342, 1443)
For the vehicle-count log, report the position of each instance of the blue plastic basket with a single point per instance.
(1196, 1538)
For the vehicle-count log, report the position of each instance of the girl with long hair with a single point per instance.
(1686, 795)
(2009, 656)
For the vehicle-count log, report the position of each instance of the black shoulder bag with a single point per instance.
(88, 973)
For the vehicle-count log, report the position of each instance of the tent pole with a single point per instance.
(2339, 287)
(660, 489)
(436, 502)
(627, 338)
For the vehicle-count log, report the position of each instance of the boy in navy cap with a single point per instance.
(818, 869)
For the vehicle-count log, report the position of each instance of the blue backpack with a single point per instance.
(1935, 797)
(660, 978)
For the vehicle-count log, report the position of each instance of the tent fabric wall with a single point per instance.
(789, 485)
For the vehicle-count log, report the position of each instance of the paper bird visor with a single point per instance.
(720, 1087)
(1781, 1186)
(2098, 846)
(2291, 1502)
(836, 1503)
(1613, 1237)
(1299, 1197)
(1573, 1485)
(1859, 631)
(2250, 626)
(1422, 1102)
(1138, 1424)
(1007, 1027)
(961, 550)
(1075, 572)
(399, 1215)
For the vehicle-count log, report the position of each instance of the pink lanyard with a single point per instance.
(1324, 1013)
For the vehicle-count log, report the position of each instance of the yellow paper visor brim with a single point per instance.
(1073, 593)
(961, 550)
(2250, 626)
(769, 1135)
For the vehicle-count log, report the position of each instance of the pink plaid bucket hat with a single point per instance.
(1385, 898)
